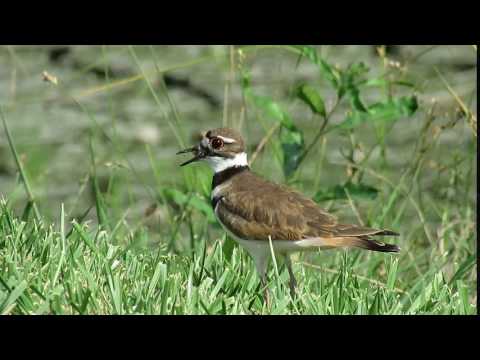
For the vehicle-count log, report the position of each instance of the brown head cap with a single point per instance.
(233, 141)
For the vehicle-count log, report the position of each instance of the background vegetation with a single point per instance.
(96, 216)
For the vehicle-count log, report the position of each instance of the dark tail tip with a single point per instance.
(389, 248)
(374, 245)
(387, 233)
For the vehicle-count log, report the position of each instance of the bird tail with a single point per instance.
(362, 237)
(363, 242)
(371, 244)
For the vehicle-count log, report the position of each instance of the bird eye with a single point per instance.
(217, 143)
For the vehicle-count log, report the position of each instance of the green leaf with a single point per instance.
(402, 107)
(464, 268)
(354, 95)
(312, 98)
(463, 294)
(85, 237)
(375, 307)
(99, 202)
(99, 199)
(190, 200)
(159, 274)
(353, 119)
(227, 248)
(293, 145)
(330, 74)
(349, 85)
(391, 110)
(271, 109)
(291, 138)
(339, 192)
(422, 298)
(356, 70)
(381, 82)
(308, 51)
(392, 274)
(14, 295)
(274, 110)
(27, 210)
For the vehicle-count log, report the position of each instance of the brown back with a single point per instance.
(253, 208)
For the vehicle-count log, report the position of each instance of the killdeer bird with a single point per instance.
(256, 212)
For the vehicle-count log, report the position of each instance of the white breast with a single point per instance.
(218, 164)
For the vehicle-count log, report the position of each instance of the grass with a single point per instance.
(93, 254)
(46, 271)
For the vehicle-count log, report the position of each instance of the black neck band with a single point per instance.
(225, 175)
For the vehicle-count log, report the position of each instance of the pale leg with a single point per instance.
(261, 261)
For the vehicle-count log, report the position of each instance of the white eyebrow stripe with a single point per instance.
(227, 140)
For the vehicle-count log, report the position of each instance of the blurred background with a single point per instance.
(141, 104)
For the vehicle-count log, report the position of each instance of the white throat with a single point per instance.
(219, 164)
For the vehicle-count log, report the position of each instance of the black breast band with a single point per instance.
(222, 176)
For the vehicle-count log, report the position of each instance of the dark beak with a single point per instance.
(198, 155)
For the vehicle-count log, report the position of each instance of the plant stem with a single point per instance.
(264, 141)
(319, 134)
(23, 174)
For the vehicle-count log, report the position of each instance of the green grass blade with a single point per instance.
(13, 296)
(20, 167)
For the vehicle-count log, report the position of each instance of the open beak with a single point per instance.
(198, 154)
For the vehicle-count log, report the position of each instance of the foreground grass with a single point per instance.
(44, 270)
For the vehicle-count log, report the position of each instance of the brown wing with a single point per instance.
(257, 209)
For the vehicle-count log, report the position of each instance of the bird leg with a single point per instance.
(266, 294)
(293, 281)
(261, 264)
